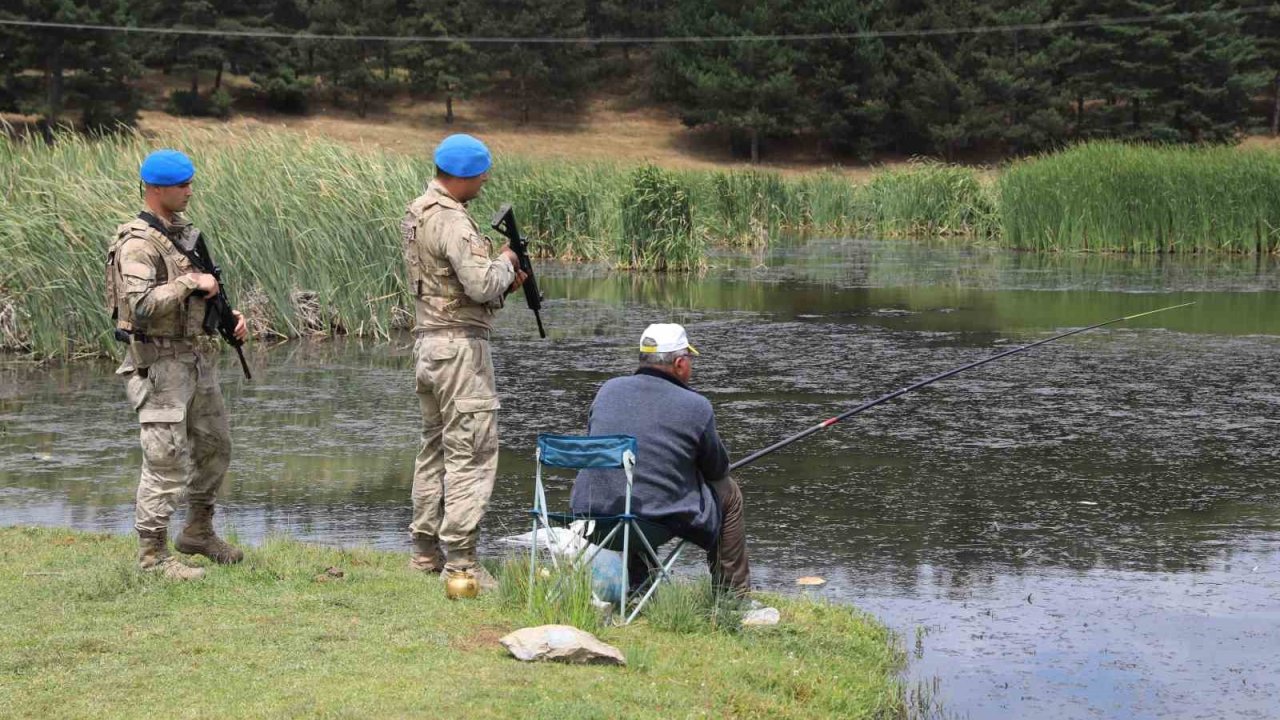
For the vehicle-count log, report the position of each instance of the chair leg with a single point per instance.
(657, 559)
(664, 573)
(626, 576)
(533, 562)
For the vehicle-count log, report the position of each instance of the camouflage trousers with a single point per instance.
(457, 462)
(186, 438)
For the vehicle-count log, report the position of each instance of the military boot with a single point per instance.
(427, 556)
(198, 538)
(465, 561)
(487, 582)
(153, 556)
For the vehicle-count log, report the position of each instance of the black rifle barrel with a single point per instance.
(504, 221)
(929, 381)
(219, 308)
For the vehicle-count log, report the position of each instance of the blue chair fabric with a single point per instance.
(576, 452)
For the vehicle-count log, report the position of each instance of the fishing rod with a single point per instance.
(929, 381)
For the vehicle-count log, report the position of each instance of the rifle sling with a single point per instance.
(197, 255)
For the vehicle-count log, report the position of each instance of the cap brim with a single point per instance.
(690, 348)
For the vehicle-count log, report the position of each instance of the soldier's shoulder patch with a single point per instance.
(139, 246)
(479, 245)
(144, 271)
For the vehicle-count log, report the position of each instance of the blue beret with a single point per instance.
(462, 156)
(166, 167)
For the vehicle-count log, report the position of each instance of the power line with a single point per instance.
(660, 40)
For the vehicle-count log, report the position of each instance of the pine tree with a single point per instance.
(1182, 78)
(749, 88)
(1021, 108)
(450, 69)
(278, 68)
(104, 89)
(1263, 28)
(1213, 56)
(970, 90)
(1085, 62)
(848, 80)
(186, 53)
(627, 18)
(934, 91)
(542, 73)
(81, 69)
(361, 68)
(13, 45)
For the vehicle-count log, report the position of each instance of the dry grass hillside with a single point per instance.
(608, 129)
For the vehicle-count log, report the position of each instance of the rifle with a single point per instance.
(218, 315)
(504, 221)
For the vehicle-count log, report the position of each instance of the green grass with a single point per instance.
(657, 223)
(84, 634)
(930, 199)
(562, 597)
(695, 608)
(1145, 199)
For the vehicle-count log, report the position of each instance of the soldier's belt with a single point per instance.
(165, 342)
(453, 332)
(148, 347)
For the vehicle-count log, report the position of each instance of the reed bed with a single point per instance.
(748, 208)
(308, 229)
(657, 224)
(930, 199)
(1143, 199)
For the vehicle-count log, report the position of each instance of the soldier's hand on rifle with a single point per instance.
(511, 256)
(521, 276)
(241, 328)
(206, 284)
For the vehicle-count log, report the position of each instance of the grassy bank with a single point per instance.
(87, 635)
(290, 215)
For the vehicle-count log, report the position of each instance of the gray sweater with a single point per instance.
(679, 452)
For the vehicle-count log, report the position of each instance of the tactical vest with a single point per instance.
(187, 321)
(440, 299)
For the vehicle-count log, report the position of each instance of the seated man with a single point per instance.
(682, 482)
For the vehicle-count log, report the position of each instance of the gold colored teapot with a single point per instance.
(461, 584)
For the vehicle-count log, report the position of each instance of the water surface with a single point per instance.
(1088, 530)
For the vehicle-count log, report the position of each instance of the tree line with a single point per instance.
(1191, 71)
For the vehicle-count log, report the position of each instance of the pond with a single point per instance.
(1088, 529)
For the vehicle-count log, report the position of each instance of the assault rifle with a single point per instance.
(504, 221)
(218, 316)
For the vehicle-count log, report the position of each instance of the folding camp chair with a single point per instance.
(598, 531)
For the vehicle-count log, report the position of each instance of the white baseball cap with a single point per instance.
(664, 338)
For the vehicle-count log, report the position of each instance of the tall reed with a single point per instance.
(290, 216)
(1134, 198)
(749, 206)
(930, 199)
(657, 224)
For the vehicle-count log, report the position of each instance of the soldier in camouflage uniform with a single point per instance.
(457, 290)
(157, 299)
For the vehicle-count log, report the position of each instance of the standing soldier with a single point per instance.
(157, 299)
(457, 290)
